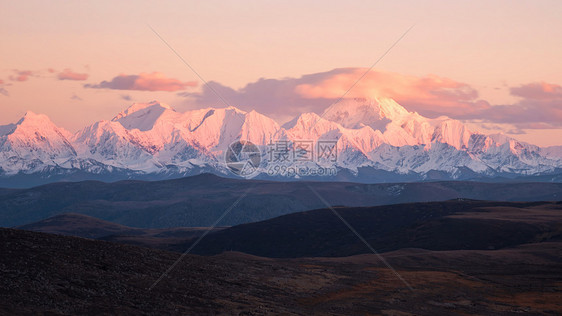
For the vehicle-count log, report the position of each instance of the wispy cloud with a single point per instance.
(21, 75)
(75, 97)
(68, 74)
(154, 81)
(3, 90)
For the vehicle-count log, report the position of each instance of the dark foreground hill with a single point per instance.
(449, 225)
(199, 200)
(78, 225)
(60, 275)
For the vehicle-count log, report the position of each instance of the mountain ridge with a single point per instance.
(152, 139)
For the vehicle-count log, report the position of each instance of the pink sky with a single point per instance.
(494, 65)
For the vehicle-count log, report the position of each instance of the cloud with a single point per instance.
(275, 98)
(3, 90)
(68, 74)
(154, 81)
(429, 95)
(75, 97)
(126, 97)
(516, 131)
(284, 98)
(538, 91)
(21, 75)
(540, 107)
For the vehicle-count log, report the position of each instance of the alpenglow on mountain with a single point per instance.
(375, 140)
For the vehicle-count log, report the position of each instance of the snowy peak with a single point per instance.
(311, 126)
(452, 132)
(109, 142)
(254, 119)
(35, 120)
(216, 128)
(390, 109)
(36, 124)
(358, 112)
(258, 128)
(135, 107)
(398, 126)
(92, 134)
(142, 116)
(152, 138)
(306, 120)
(33, 143)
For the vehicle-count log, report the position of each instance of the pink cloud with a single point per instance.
(68, 74)
(539, 108)
(75, 97)
(430, 95)
(154, 81)
(21, 75)
(284, 98)
(538, 91)
(3, 90)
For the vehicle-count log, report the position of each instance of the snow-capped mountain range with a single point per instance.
(377, 140)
